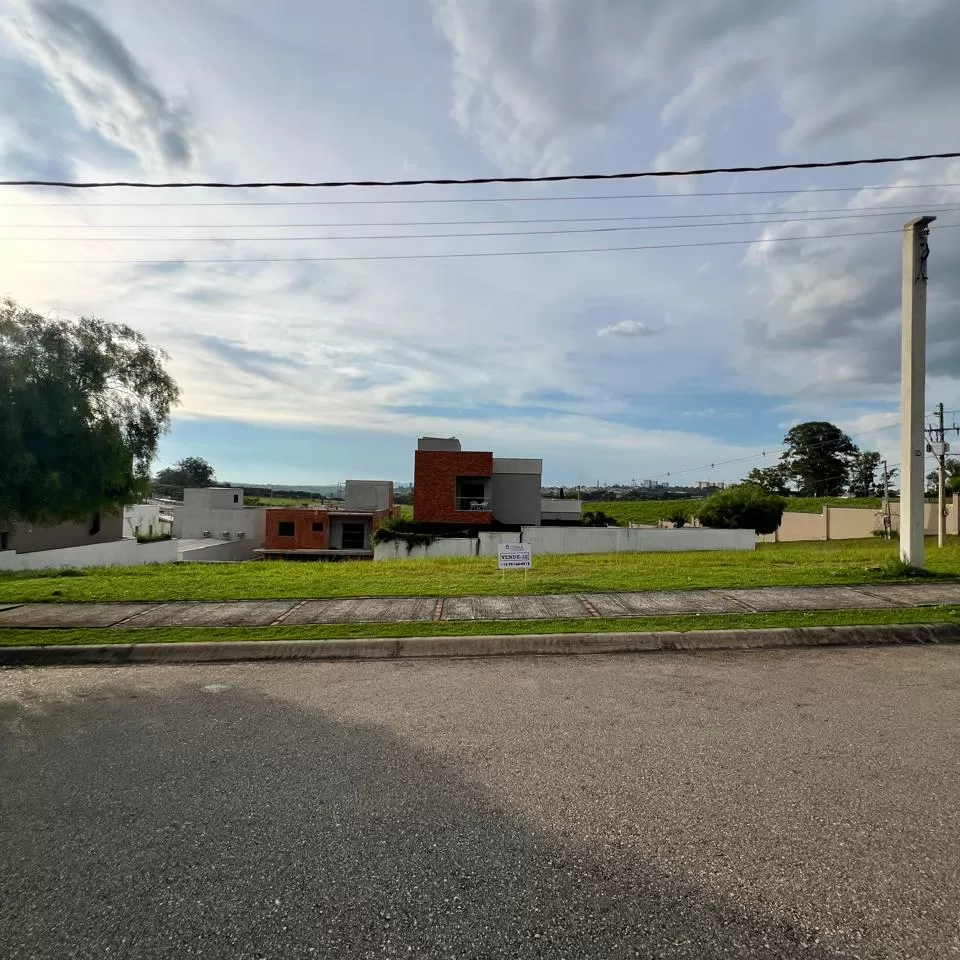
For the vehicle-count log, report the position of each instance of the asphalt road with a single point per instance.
(775, 804)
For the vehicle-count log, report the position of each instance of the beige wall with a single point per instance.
(799, 526)
(855, 523)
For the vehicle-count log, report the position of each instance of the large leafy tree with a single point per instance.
(775, 479)
(82, 406)
(818, 458)
(863, 478)
(189, 472)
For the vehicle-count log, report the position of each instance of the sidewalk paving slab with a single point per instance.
(561, 606)
(914, 594)
(772, 599)
(232, 613)
(660, 602)
(70, 614)
(364, 610)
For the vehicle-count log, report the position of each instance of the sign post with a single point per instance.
(515, 556)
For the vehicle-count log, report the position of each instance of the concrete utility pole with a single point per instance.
(913, 364)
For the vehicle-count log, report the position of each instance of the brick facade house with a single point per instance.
(472, 488)
(334, 532)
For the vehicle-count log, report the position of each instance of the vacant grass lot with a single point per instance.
(354, 631)
(782, 564)
(650, 511)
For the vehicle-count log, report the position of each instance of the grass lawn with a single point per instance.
(781, 564)
(833, 618)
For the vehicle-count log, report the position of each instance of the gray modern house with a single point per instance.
(473, 488)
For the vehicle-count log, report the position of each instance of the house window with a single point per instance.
(286, 528)
(317, 527)
(95, 524)
(354, 536)
(236, 498)
(471, 494)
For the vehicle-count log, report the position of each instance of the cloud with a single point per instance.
(890, 71)
(627, 328)
(258, 362)
(533, 76)
(826, 310)
(711, 86)
(107, 90)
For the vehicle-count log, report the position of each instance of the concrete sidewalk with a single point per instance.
(258, 613)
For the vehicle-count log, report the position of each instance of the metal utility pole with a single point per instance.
(941, 480)
(939, 447)
(913, 361)
(887, 525)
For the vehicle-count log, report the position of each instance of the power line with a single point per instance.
(478, 253)
(539, 199)
(763, 453)
(466, 181)
(485, 253)
(847, 213)
(447, 236)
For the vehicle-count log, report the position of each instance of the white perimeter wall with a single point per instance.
(451, 547)
(213, 552)
(571, 540)
(119, 553)
(577, 540)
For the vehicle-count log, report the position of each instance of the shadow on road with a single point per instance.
(231, 825)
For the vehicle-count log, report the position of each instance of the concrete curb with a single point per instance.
(477, 646)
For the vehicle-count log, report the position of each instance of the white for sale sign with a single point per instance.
(514, 556)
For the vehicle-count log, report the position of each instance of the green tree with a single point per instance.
(82, 406)
(953, 477)
(188, 472)
(818, 458)
(862, 479)
(744, 507)
(775, 479)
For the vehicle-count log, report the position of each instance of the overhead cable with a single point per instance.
(466, 181)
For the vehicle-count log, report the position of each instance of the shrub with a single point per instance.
(745, 507)
(597, 518)
(678, 518)
(399, 528)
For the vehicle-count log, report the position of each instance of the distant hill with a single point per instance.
(296, 490)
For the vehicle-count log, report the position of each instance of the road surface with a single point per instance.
(777, 804)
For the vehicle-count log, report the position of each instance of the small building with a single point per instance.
(100, 527)
(214, 524)
(341, 532)
(473, 489)
(97, 541)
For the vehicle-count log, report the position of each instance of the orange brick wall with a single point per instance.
(435, 475)
(304, 538)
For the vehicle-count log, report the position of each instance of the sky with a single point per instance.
(315, 334)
